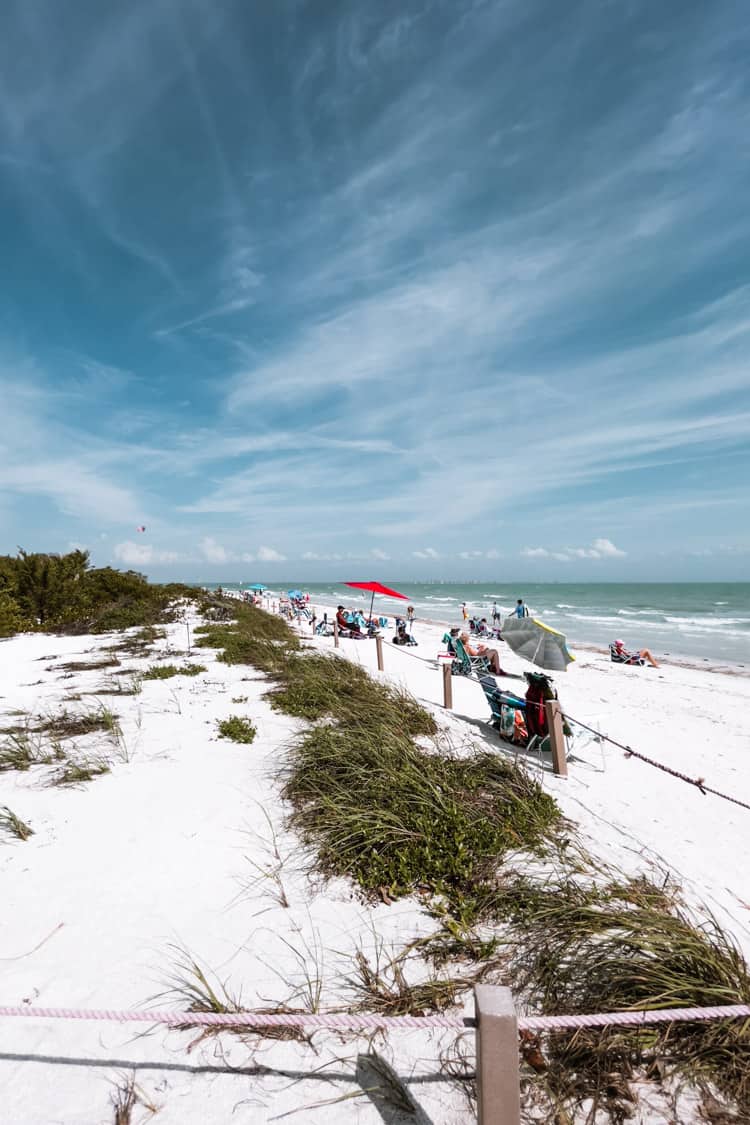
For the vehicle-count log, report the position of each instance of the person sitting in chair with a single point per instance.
(620, 655)
(402, 636)
(490, 654)
(449, 638)
(347, 626)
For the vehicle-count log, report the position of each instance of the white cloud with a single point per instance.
(142, 554)
(607, 548)
(493, 554)
(600, 549)
(268, 554)
(426, 553)
(133, 554)
(247, 557)
(213, 551)
(377, 553)
(312, 556)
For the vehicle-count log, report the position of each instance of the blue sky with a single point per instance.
(323, 289)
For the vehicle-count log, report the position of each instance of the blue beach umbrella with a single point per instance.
(258, 586)
(295, 593)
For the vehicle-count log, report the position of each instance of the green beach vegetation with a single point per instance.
(517, 897)
(237, 729)
(167, 671)
(65, 594)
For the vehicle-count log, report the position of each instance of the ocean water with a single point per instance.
(704, 621)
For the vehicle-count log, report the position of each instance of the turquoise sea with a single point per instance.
(706, 621)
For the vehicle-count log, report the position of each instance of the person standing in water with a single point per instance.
(464, 610)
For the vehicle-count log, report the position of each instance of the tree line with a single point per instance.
(64, 593)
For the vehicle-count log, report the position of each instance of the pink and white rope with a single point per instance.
(369, 1022)
(632, 1019)
(332, 1021)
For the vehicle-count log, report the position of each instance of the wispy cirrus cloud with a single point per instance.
(449, 308)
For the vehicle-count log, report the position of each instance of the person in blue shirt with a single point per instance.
(521, 609)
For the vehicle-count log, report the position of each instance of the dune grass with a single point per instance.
(79, 770)
(580, 946)
(387, 814)
(23, 748)
(397, 819)
(167, 671)
(13, 824)
(71, 724)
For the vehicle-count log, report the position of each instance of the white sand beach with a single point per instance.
(183, 846)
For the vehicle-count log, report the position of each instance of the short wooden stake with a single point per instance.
(379, 647)
(556, 737)
(447, 686)
(335, 633)
(498, 1095)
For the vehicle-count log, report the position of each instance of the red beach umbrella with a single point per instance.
(377, 588)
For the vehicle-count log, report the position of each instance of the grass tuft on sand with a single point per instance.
(13, 824)
(167, 671)
(237, 729)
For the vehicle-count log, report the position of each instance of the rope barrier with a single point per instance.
(371, 1022)
(633, 1019)
(331, 1021)
(698, 782)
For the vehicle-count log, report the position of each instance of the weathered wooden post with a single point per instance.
(335, 633)
(379, 647)
(556, 737)
(498, 1094)
(447, 686)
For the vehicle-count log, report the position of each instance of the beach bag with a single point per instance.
(512, 725)
(539, 689)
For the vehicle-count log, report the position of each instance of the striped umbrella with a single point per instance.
(536, 642)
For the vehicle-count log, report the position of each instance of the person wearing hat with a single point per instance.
(620, 655)
(349, 626)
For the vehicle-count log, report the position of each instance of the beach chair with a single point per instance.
(508, 712)
(466, 665)
(620, 656)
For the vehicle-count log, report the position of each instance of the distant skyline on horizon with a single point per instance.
(409, 288)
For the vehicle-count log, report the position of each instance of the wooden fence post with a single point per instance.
(447, 686)
(556, 737)
(335, 633)
(498, 1095)
(379, 647)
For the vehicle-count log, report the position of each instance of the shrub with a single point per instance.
(12, 619)
(63, 593)
(237, 729)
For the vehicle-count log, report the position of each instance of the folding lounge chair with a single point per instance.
(619, 656)
(466, 665)
(499, 699)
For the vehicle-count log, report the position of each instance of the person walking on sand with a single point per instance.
(521, 610)
(495, 614)
(410, 620)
